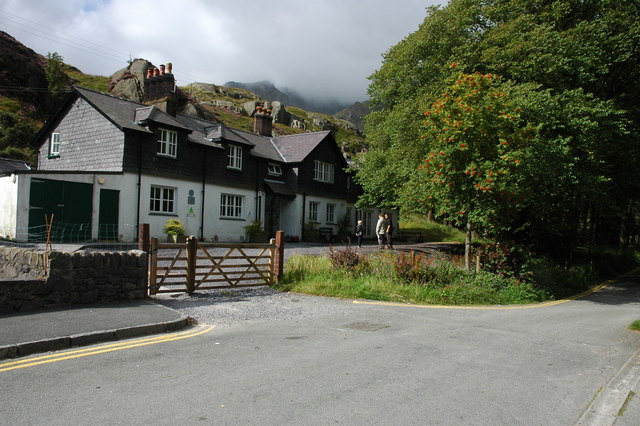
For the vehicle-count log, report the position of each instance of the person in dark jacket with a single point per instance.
(389, 230)
(359, 233)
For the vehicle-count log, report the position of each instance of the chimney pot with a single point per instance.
(156, 72)
(169, 67)
(162, 69)
(149, 73)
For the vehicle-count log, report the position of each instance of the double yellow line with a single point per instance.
(96, 350)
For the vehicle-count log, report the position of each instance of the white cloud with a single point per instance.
(324, 48)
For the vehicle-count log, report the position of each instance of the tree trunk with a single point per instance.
(467, 247)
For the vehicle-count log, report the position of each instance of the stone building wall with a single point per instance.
(73, 278)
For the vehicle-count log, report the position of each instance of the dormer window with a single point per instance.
(323, 172)
(274, 169)
(234, 158)
(168, 143)
(54, 145)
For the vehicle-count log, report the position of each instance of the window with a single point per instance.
(365, 217)
(54, 145)
(168, 143)
(313, 211)
(274, 169)
(323, 172)
(162, 199)
(234, 158)
(331, 213)
(231, 206)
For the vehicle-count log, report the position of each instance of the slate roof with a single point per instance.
(295, 148)
(8, 166)
(126, 114)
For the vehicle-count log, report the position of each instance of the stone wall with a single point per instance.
(73, 278)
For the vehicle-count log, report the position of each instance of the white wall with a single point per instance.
(8, 206)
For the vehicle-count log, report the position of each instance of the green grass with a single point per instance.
(635, 326)
(95, 82)
(429, 231)
(375, 279)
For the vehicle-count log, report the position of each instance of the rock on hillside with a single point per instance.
(355, 114)
(21, 68)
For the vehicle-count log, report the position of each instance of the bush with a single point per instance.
(174, 227)
(347, 259)
(311, 232)
(254, 232)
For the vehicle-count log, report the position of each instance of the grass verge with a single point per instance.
(375, 278)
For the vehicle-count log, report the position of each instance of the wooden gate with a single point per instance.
(195, 266)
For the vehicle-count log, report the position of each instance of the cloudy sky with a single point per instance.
(321, 48)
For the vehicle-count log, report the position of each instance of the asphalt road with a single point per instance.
(338, 362)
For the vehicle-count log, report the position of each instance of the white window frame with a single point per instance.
(54, 145)
(168, 143)
(314, 206)
(162, 199)
(234, 157)
(231, 206)
(274, 169)
(366, 217)
(323, 171)
(331, 213)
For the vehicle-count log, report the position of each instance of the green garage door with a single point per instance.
(68, 203)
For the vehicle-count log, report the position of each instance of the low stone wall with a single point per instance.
(73, 278)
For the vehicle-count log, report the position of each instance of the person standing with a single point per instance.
(381, 229)
(389, 230)
(359, 232)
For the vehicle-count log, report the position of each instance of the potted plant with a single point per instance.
(254, 233)
(175, 230)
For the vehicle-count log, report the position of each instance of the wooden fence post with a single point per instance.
(279, 261)
(192, 254)
(144, 237)
(153, 266)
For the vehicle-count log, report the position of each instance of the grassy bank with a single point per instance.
(412, 278)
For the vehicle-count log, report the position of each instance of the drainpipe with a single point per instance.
(139, 187)
(304, 205)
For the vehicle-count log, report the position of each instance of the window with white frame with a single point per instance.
(323, 172)
(54, 145)
(231, 206)
(365, 217)
(168, 143)
(331, 213)
(234, 157)
(162, 199)
(274, 169)
(313, 211)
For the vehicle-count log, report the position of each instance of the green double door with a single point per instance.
(68, 207)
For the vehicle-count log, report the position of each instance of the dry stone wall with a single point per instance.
(73, 278)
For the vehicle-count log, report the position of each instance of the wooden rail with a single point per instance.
(199, 266)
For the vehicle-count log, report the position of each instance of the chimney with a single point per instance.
(262, 121)
(159, 89)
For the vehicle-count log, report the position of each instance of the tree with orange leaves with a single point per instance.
(477, 149)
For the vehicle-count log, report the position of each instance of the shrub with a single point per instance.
(348, 259)
(311, 232)
(409, 268)
(174, 227)
(255, 233)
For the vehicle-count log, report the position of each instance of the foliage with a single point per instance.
(344, 228)
(174, 227)
(635, 325)
(347, 259)
(311, 232)
(255, 232)
(571, 68)
(427, 230)
(57, 80)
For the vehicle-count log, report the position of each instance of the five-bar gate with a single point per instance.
(198, 266)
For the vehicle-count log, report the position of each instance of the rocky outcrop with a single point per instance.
(128, 83)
